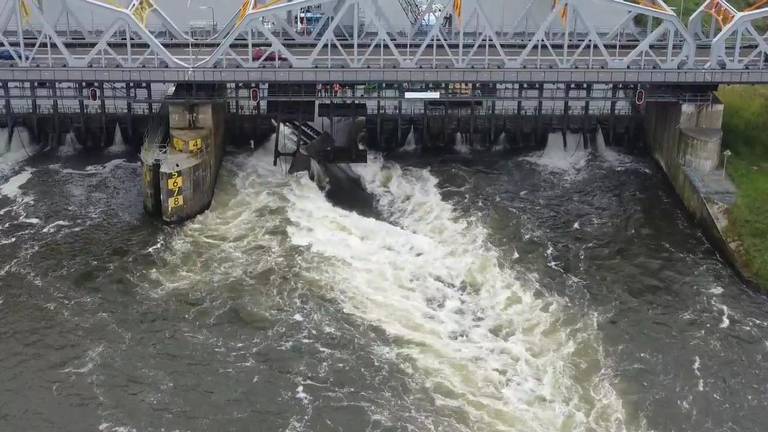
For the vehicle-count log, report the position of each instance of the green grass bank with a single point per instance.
(745, 128)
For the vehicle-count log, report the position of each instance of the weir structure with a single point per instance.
(432, 73)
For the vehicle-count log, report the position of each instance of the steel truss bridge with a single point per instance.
(357, 40)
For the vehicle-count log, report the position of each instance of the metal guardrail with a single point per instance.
(649, 38)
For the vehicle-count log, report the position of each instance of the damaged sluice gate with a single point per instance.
(320, 128)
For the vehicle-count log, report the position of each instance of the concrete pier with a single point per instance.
(180, 175)
(686, 140)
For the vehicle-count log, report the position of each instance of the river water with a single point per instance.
(564, 290)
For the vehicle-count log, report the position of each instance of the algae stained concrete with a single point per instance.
(686, 140)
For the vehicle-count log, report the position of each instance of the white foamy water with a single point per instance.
(70, 147)
(12, 187)
(15, 150)
(461, 146)
(410, 142)
(501, 143)
(240, 239)
(482, 342)
(613, 158)
(564, 154)
(493, 351)
(118, 146)
(95, 169)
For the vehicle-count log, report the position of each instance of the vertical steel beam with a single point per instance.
(129, 89)
(103, 108)
(8, 109)
(472, 116)
(399, 120)
(150, 104)
(612, 118)
(566, 105)
(33, 95)
(56, 126)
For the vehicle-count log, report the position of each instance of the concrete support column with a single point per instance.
(179, 183)
(686, 141)
(688, 134)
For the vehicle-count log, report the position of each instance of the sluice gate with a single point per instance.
(184, 127)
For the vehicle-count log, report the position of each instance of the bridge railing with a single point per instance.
(359, 34)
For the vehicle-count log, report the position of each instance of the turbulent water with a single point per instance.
(564, 290)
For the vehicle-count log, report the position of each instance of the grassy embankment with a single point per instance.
(746, 135)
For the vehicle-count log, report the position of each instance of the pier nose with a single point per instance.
(180, 174)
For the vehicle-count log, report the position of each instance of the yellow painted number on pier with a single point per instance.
(175, 183)
(178, 144)
(176, 201)
(196, 145)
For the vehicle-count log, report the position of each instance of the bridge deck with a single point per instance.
(393, 75)
(567, 41)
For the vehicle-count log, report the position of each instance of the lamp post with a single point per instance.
(725, 161)
(213, 18)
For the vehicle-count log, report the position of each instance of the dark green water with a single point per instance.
(491, 294)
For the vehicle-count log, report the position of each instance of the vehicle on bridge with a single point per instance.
(13, 54)
(260, 54)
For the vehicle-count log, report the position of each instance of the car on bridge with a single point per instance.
(260, 54)
(8, 54)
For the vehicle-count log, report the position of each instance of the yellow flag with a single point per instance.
(142, 10)
(457, 8)
(25, 12)
(564, 16)
(563, 13)
(244, 10)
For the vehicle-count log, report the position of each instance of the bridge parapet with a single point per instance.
(362, 34)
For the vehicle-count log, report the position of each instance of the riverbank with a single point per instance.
(746, 111)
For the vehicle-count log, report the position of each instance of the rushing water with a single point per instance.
(558, 291)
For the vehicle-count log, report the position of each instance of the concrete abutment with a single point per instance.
(686, 140)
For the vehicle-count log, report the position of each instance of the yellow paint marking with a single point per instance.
(25, 12)
(175, 183)
(178, 144)
(177, 201)
(196, 145)
(141, 11)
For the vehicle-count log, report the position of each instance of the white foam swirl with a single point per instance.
(495, 353)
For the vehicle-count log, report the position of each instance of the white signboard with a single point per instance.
(422, 95)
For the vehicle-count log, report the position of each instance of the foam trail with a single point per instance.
(71, 145)
(461, 147)
(12, 188)
(495, 354)
(501, 143)
(482, 342)
(410, 142)
(600, 141)
(613, 158)
(118, 146)
(563, 153)
(15, 150)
